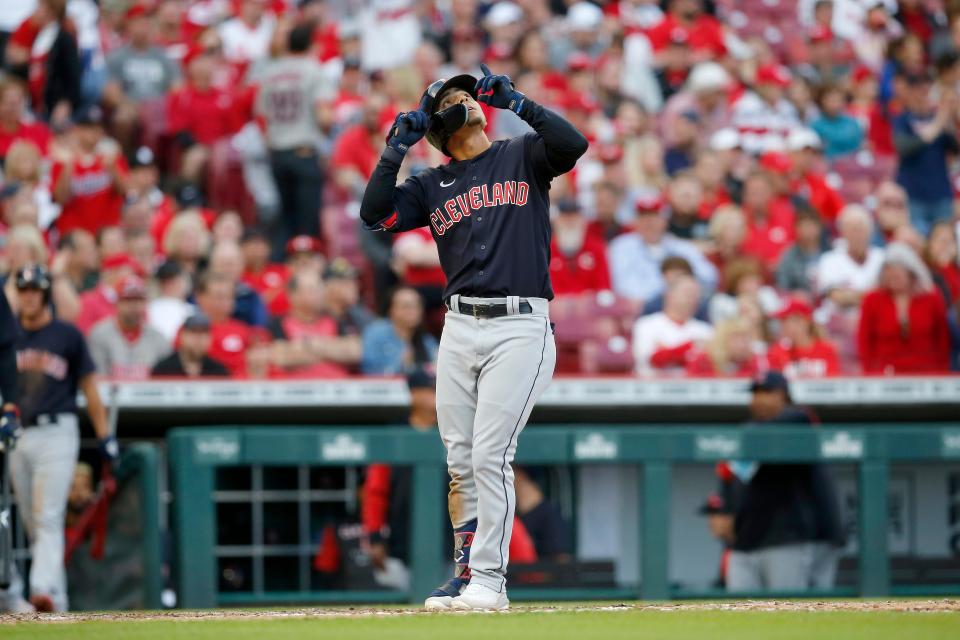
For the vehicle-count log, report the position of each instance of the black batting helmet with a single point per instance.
(34, 276)
(441, 128)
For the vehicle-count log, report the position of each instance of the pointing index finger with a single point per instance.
(485, 69)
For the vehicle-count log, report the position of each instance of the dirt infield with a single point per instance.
(906, 606)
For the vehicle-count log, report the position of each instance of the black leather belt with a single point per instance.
(490, 310)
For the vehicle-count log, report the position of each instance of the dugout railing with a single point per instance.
(197, 453)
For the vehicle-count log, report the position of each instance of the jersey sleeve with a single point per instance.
(389, 206)
(81, 362)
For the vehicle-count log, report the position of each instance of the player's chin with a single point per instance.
(476, 118)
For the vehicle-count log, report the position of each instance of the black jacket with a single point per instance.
(787, 503)
(63, 71)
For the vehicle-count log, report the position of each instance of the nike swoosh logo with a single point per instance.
(447, 184)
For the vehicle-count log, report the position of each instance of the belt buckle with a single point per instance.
(477, 309)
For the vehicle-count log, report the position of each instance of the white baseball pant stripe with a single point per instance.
(41, 469)
(490, 374)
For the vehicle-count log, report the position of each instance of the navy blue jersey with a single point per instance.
(8, 363)
(490, 215)
(51, 361)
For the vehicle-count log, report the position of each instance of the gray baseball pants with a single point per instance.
(784, 567)
(41, 468)
(490, 373)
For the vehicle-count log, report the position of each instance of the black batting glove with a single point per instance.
(407, 129)
(498, 91)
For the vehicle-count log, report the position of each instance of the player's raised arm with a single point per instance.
(385, 205)
(562, 143)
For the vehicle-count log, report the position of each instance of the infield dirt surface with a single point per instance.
(761, 619)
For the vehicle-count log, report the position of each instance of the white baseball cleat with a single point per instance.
(477, 597)
(438, 603)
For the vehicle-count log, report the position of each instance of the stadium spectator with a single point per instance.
(685, 198)
(769, 214)
(125, 347)
(78, 255)
(787, 525)
(706, 94)
(891, 214)
(304, 255)
(398, 343)
(848, 270)
(306, 338)
(246, 37)
(742, 277)
(664, 341)
(226, 260)
(191, 359)
(200, 113)
(703, 31)
(578, 261)
(941, 258)
(342, 303)
(872, 115)
(763, 116)
(727, 231)
(925, 136)
(680, 155)
(875, 35)
(730, 352)
(97, 304)
(15, 124)
(797, 268)
(227, 228)
(169, 309)
(230, 337)
(186, 241)
(266, 278)
(606, 203)
(24, 172)
(839, 131)
(290, 90)
(903, 322)
(635, 258)
(140, 72)
(356, 151)
(801, 352)
(89, 176)
(43, 51)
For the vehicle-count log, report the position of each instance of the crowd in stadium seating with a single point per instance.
(769, 185)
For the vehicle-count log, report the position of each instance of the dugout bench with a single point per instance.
(196, 453)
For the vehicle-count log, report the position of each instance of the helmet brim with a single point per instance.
(464, 81)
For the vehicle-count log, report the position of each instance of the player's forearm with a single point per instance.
(95, 408)
(377, 203)
(564, 144)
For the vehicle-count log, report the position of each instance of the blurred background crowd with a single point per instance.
(770, 185)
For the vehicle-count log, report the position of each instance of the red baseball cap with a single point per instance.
(795, 307)
(610, 153)
(819, 33)
(774, 74)
(131, 288)
(647, 202)
(304, 244)
(579, 61)
(580, 102)
(861, 73)
(118, 261)
(776, 162)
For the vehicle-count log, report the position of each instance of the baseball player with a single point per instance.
(9, 431)
(53, 362)
(488, 210)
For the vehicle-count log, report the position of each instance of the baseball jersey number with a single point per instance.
(285, 106)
